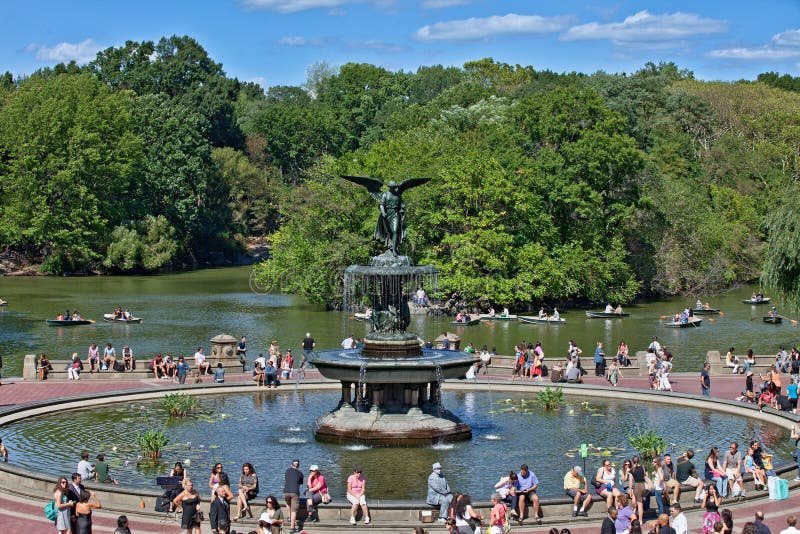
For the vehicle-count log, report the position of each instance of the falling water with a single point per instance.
(362, 380)
(440, 381)
(492, 437)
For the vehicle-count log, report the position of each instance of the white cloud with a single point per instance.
(438, 4)
(294, 6)
(376, 45)
(645, 27)
(479, 28)
(787, 38)
(82, 52)
(759, 53)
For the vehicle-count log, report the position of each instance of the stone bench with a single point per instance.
(764, 363)
(141, 371)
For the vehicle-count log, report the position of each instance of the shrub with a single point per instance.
(550, 398)
(648, 443)
(152, 443)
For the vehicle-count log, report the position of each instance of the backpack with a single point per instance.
(50, 510)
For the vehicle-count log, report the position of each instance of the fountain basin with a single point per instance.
(345, 365)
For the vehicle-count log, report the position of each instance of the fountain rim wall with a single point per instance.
(34, 409)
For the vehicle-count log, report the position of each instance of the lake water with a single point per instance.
(183, 311)
(268, 429)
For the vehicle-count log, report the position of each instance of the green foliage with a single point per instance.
(648, 443)
(149, 245)
(782, 263)
(550, 399)
(178, 404)
(152, 442)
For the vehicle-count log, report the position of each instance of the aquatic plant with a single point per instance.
(550, 399)
(152, 442)
(649, 444)
(178, 404)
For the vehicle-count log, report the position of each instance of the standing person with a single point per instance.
(292, 480)
(63, 506)
(608, 523)
(287, 365)
(182, 369)
(705, 380)
(679, 522)
(761, 528)
(575, 487)
(439, 493)
(466, 516)
(308, 344)
(241, 352)
(356, 488)
(625, 515)
(189, 501)
(711, 503)
(220, 512)
(497, 518)
(791, 520)
(83, 511)
(122, 525)
(599, 360)
(614, 373)
(526, 491)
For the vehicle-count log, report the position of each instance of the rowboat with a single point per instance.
(497, 317)
(471, 322)
(691, 323)
(773, 320)
(64, 322)
(705, 311)
(109, 318)
(3, 303)
(537, 320)
(756, 302)
(605, 315)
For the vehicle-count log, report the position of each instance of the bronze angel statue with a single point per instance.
(391, 227)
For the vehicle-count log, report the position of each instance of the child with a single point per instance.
(219, 373)
(197, 378)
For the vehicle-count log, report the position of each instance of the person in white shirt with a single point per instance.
(348, 342)
(203, 367)
(679, 520)
(261, 361)
(791, 520)
(609, 308)
(85, 469)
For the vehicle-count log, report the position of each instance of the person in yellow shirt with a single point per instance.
(575, 487)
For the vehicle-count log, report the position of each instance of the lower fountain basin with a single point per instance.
(345, 365)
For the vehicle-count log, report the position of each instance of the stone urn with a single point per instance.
(223, 349)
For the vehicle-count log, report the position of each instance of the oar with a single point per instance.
(712, 320)
(721, 313)
(665, 316)
(793, 321)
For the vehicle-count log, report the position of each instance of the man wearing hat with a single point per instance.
(575, 487)
(439, 493)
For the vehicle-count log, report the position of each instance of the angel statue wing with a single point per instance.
(373, 185)
(411, 182)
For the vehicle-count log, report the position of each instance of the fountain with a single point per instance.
(391, 386)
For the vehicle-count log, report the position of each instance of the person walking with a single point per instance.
(705, 380)
(356, 487)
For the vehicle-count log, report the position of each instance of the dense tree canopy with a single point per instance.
(545, 187)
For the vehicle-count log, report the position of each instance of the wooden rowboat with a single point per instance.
(605, 315)
(497, 317)
(471, 322)
(756, 302)
(691, 323)
(537, 320)
(773, 320)
(56, 322)
(109, 318)
(706, 311)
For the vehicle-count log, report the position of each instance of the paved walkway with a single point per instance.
(19, 515)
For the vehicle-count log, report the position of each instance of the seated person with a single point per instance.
(574, 375)
(575, 487)
(258, 373)
(127, 358)
(609, 308)
(44, 367)
(219, 374)
(109, 357)
(170, 366)
(542, 314)
(157, 366)
(507, 488)
(618, 309)
(271, 375)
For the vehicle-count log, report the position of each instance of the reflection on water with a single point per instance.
(269, 429)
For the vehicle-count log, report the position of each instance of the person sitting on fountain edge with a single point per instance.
(439, 493)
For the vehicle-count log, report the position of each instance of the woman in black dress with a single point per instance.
(83, 511)
(189, 501)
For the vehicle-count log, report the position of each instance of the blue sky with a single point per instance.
(274, 41)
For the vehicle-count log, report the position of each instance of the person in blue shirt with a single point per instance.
(270, 372)
(527, 492)
(183, 369)
(599, 360)
(219, 373)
